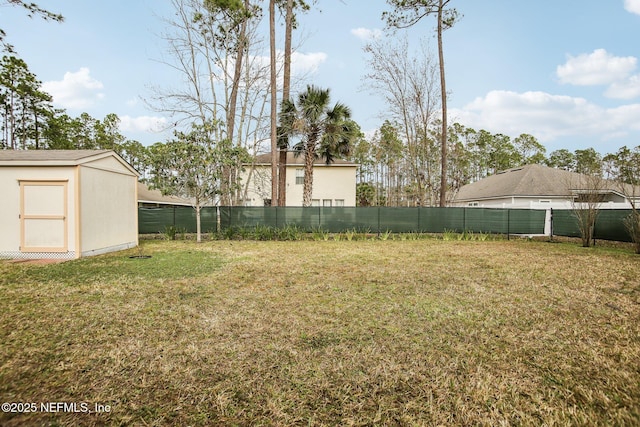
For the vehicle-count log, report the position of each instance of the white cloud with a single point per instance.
(596, 68)
(302, 63)
(366, 33)
(76, 90)
(548, 117)
(626, 89)
(632, 6)
(142, 124)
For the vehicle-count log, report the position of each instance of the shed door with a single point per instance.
(43, 216)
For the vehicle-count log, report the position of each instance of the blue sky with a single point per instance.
(565, 71)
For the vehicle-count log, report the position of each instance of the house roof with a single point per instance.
(533, 181)
(57, 157)
(146, 195)
(293, 160)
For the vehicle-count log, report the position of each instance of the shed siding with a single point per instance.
(10, 178)
(110, 164)
(108, 210)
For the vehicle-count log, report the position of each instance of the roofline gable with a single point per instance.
(59, 158)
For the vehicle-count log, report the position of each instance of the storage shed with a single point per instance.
(66, 203)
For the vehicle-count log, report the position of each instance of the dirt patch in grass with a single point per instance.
(40, 261)
(327, 333)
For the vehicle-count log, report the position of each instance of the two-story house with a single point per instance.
(333, 184)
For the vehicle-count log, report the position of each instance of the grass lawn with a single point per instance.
(424, 332)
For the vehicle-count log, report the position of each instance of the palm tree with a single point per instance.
(324, 132)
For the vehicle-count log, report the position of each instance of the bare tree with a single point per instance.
(217, 53)
(624, 167)
(410, 90)
(588, 195)
(407, 13)
(632, 222)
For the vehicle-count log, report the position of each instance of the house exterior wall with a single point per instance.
(10, 225)
(537, 202)
(108, 208)
(516, 203)
(335, 184)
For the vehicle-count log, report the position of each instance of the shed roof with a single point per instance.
(533, 181)
(57, 157)
(49, 155)
(146, 195)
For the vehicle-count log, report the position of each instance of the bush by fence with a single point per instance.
(609, 224)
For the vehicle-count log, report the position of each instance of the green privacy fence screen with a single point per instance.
(338, 219)
(609, 224)
(156, 220)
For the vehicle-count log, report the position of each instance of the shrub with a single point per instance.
(632, 223)
(319, 233)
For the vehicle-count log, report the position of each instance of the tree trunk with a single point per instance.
(231, 111)
(443, 93)
(286, 89)
(198, 224)
(274, 101)
(309, 157)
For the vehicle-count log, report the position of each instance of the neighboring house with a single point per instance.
(66, 203)
(333, 184)
(542, 187)
(148, 198)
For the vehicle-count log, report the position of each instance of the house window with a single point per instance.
(590, 197)
(315, 202)
(299, 176)
(339, 203)
(473, 204)
(326, 203)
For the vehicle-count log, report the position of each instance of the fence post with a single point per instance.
(464, 220)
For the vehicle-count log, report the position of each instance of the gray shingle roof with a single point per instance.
(57, 158)
(146, 195)
(529, 180)
(49, 155)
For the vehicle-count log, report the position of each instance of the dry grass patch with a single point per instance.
(327, 333)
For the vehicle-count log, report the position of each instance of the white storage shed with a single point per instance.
(66, 203)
